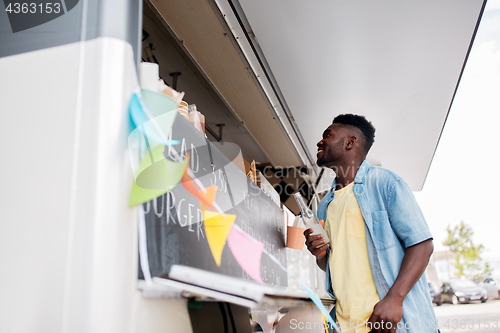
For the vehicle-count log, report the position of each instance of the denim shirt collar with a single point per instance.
(360, 175)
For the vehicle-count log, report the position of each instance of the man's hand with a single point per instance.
(313, 243)
(386, 315)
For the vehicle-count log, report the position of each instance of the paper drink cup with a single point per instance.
(295, 238)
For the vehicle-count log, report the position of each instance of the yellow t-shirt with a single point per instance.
(350, 271)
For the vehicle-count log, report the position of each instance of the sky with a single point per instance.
(463, 182)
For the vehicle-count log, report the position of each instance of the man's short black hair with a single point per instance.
(361, 124)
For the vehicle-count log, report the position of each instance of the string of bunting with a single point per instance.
(157, 175)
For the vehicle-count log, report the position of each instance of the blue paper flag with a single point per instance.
(136, 113)
(154, 129)
(318, 303)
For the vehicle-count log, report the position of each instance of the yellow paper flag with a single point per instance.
(216, 228)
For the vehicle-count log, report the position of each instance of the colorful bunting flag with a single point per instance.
(216, 229)
(153, 127)
(207, 198)
(156, 176)
(136, 112)
(247, 252)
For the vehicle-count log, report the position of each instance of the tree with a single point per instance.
(468, 261)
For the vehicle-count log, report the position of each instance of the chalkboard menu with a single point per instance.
(174, 221)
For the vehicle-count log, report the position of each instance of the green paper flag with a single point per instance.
(156, 176)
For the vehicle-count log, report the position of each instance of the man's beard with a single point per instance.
(333, 154)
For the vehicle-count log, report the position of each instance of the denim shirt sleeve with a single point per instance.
(321, 212)
(405, 216)
(328, 279)
(323, 204)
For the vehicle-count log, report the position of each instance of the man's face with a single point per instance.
(332, 147)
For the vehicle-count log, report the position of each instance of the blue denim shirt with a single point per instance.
(393, 222)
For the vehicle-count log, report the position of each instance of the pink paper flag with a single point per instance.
(247, 253)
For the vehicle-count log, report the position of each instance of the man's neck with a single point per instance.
(345, 173)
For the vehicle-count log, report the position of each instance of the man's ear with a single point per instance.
(351, 141)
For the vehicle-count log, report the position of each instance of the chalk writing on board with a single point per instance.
(174, 221)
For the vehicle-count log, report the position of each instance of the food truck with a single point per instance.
(88, 245)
